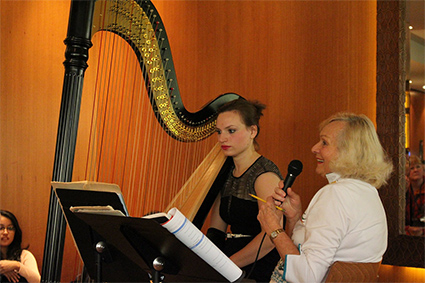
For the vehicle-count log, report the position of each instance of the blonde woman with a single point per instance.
(345, 220)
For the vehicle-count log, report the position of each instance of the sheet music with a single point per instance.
(107, 210)
(92, 186)
(193, 238)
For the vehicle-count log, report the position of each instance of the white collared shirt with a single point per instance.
(345, 221)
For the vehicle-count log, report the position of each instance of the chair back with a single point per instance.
(353, 272)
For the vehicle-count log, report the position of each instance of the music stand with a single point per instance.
(85, 238)
(151, 242)
(127, 249)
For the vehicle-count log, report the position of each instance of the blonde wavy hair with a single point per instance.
(361, 155)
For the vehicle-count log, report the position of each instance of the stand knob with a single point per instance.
(158, 263)
(100, 247)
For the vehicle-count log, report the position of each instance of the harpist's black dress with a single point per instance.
(240, 211)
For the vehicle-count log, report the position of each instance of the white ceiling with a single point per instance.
(415, 18)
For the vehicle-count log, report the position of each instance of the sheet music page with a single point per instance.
(106, 210)
(194, 239)
(92, 186)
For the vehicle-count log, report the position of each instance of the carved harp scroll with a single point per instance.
(139, 24)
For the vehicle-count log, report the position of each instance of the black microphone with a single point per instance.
(295, 168)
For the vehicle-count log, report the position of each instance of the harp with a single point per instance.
(136, 27)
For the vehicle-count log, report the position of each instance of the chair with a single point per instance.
(353, 272)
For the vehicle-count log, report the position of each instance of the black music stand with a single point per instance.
(86, 239)
(127, 249)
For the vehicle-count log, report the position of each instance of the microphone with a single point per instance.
(295, 168)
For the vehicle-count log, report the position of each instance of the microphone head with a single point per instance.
(295, 167)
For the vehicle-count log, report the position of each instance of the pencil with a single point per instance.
(260, 199)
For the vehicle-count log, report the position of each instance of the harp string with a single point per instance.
(99, 101)
(152, 168)
(136, 154)
(145, 140)
(131, 172)
(92, 147)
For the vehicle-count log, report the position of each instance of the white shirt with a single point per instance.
(28, 267)
(345, 221)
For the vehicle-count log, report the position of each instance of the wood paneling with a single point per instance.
(392, 273)
(304, 59)
(32, 49)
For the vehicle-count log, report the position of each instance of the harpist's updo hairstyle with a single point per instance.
(250, 112)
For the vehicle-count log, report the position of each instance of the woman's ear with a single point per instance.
(254, 131)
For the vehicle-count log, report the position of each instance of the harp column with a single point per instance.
(78, 42)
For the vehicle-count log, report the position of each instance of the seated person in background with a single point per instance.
(415, 198)
(251, 173)
(345, 220)
(17, 264)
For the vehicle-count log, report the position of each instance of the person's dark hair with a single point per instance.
(250, 112)
(14, 250)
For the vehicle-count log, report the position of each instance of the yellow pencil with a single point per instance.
(260, 199)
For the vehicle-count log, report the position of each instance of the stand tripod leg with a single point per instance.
(158, 265)
(100, 247)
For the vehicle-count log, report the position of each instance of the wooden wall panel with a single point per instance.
(32, 34)
(392, 273)
(304, 59)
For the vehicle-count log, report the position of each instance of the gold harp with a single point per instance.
(124, 151)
